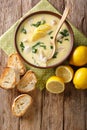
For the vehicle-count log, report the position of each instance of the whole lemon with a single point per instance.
(80, 78)
(79, 56)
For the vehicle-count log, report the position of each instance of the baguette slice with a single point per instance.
(17, 76)
(8, 78)
(15, 62)
(27, 82)
(21, 104)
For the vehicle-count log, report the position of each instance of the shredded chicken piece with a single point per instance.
(27, 49)
(53, 22)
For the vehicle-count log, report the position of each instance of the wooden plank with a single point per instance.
(74, 100)
(85, 109)
(32, 120)
(74, 109)
(52, 111)
(52, 107)
(58, 4)
(10, 12)
(46, 120)
(27, 5)
(78, 14)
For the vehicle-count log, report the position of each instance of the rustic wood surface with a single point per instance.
(67, 111)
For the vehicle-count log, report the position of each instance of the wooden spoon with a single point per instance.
(65, 13)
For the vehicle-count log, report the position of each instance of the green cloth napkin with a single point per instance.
(7, 42)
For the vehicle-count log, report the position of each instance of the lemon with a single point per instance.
(79, 56)
(65, 72)
(45, 27)
(37, 35)
(80, 78)
(40, 32)
(55, 85)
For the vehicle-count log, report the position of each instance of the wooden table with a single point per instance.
(67, 111)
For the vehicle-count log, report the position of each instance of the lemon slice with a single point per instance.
(40, 32)
(46, 27)
(55, 85)
(65, 72)
(37, 35)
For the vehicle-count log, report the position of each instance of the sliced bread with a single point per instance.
(21, 104)
(8, 78)
(27, 82)
(17, 76)
(15, 62)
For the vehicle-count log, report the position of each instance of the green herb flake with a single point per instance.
(43, 22)
(43, 46)
(66, 39)
(51, 47)
(37, 44)
(51, 37)
(65, 33)
(23, 30)
(34, 50)
(22, 46)
(49, 33)
(38, 23)
(59, 41)
(55, 55)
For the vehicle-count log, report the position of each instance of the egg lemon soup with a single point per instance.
(34, 40)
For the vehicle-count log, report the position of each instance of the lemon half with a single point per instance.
(65, 72)
(55, 85)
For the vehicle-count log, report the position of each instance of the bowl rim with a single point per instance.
(50, 13)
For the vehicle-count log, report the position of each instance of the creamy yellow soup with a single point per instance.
(34, 40)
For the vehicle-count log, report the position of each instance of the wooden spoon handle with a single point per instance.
(65, 13)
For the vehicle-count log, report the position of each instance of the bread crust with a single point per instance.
(16, 62)
(28, 78)
(17, 99)
(3, 76)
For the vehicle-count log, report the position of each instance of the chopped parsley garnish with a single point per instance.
(23, 30)
(38, 23)
(59, 41)
(34, 48)
(67, 39)
(22, 46)
(43, 22)
(38, 43)
(49, 33)
(65, 33)
(51, 37)
(55, 55)
(43, 46)
(51, 47)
